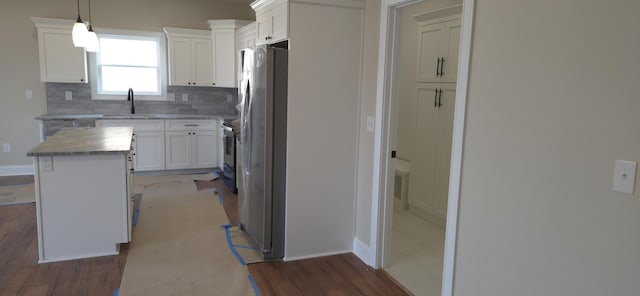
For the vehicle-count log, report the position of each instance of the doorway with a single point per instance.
(439, 268)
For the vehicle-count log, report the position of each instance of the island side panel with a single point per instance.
(82, 206)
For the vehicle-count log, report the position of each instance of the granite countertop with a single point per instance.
(85, 141)
(50, 116)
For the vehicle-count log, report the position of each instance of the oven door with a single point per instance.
(229, 147)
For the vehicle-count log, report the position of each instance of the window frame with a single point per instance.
(94, 76)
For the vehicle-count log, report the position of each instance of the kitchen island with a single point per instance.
(84, 200)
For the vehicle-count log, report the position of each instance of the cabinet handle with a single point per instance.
(194, 83)
(81, 79)
(435, 97)
(191, 125)
(442, 67)
(438, 68)
(439, 98)
(213, 83)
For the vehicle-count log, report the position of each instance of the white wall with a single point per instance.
(19, 68)
(325, 60)
(553, 102)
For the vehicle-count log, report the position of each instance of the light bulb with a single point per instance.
(79, 33)
(92, 44)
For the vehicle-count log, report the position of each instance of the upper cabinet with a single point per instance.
(438, 44)
(272, 20)
(60, 61)
(246, 36)
(223, 37)
(190, 57)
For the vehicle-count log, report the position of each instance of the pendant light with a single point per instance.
(79, 32)
(92, 44)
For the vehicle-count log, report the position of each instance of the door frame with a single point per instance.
(384, 138)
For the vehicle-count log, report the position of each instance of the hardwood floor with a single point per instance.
(20, 274)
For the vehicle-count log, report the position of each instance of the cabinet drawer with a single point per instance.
(138, 125)
(181, 125)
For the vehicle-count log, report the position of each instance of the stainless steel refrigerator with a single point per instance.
(263, 116)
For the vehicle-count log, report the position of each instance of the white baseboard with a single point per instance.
(315, 255)
(363, 252)
(16, 170)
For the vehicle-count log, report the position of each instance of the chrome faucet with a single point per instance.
(130, 98)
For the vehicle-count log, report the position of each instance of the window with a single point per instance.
(129, 60)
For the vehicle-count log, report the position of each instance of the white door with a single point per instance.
(205, 149)
(180, 59)
(202, 63)
(149, 151)
(178, 149)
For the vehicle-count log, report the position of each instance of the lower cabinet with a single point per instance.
(172, 144)
(148, 151)
(191, 144)
(148, 142)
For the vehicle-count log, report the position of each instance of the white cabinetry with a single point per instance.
(438, 46)
(272, 20)
(428, 194)
(246, 36)
(148, 143)
(191, 144)
(190, 57)
(223, 36)
(60, 61)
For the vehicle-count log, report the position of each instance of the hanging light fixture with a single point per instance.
(92, 43)
(79, 32)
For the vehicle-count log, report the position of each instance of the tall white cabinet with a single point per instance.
(435, 90)
(223, 37)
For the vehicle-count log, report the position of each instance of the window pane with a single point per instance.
(120, 79)
(128, 52)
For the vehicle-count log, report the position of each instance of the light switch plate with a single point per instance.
(624, 176)
(371, 123)
(68, 95)
(185, 97)
(28, 94)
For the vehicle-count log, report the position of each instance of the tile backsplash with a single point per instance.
(201, 100)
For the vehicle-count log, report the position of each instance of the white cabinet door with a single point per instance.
(60, 61)
(224, 57)
(246, 36)
(149, 151)
(263, 28)
(202, 64)
(180, 57)
(178, 149)
(272, 22)
(205, 149)
(279, 23)
(438, 44)
(429, 185)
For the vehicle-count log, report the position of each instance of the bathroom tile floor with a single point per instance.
(417, 251)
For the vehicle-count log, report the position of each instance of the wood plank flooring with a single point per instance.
(20, 274)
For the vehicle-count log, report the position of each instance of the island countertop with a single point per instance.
(85, 141)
